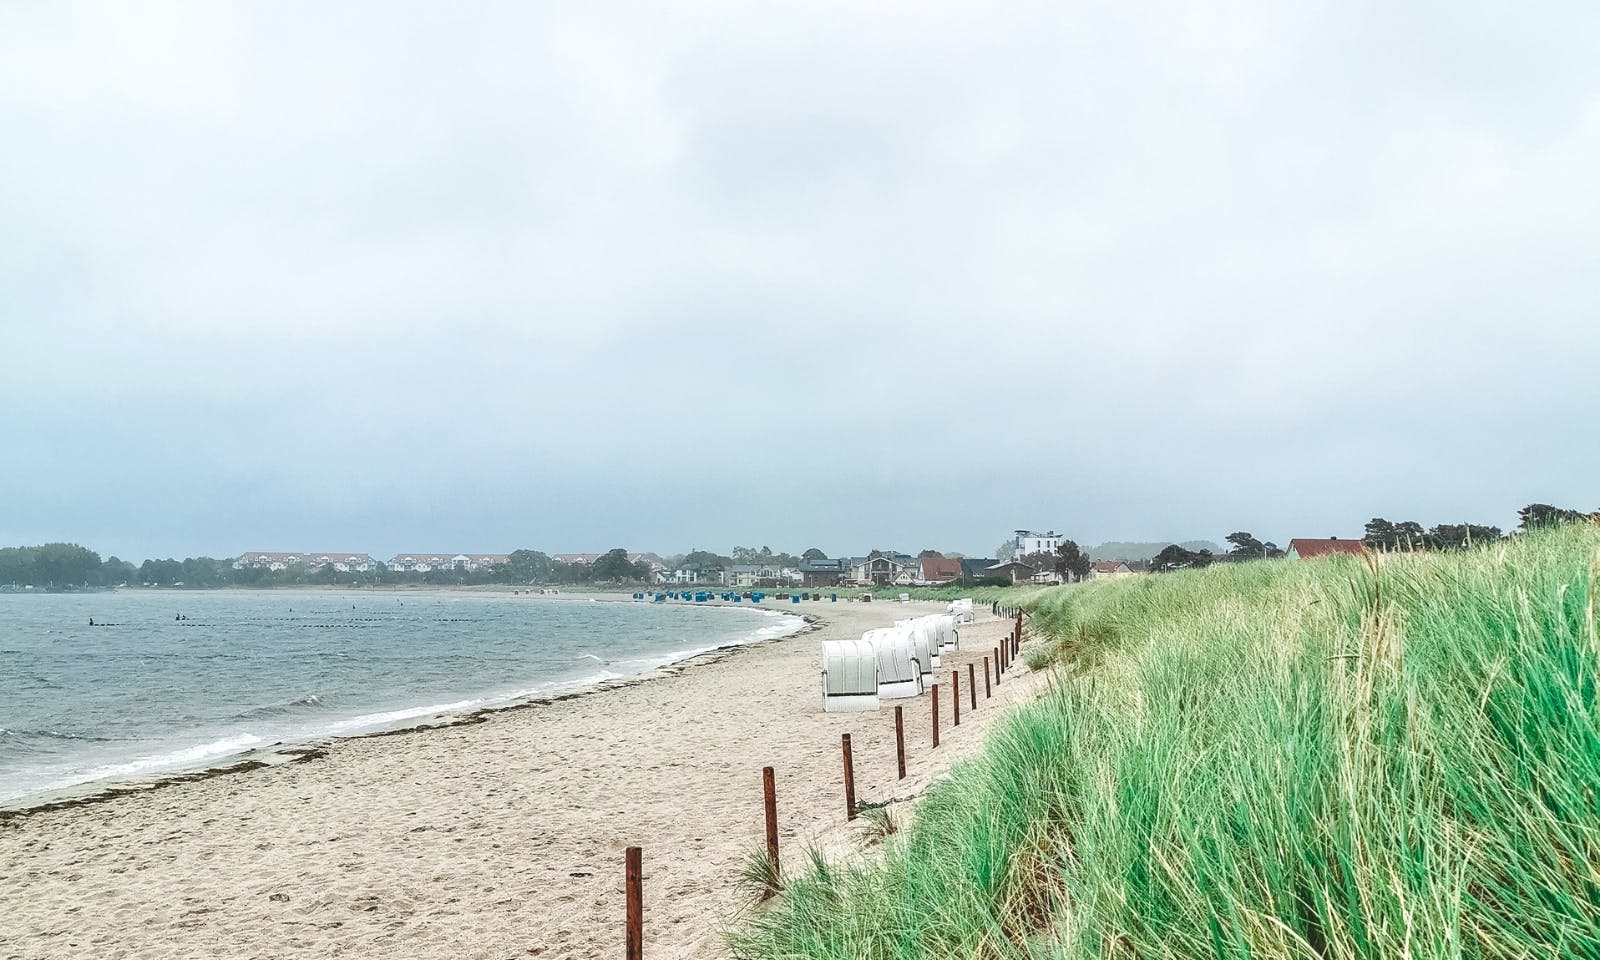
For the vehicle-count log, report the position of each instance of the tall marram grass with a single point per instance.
(1285, 759)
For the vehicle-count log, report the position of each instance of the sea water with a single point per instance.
(172, 680)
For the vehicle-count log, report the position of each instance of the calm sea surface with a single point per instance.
(147, 692)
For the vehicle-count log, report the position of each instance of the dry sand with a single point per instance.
(498, 839)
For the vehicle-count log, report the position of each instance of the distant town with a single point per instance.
(1025, 557)
(1029, 557)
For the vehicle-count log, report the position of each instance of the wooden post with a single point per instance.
(999, 666)
(972, 685)
(769, 790)
(634, 891)
(900, 741)
(935, 701)
(849, 781)
(986, 693)
(955, 698)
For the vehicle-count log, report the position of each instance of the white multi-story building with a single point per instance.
(342, 562)
(425, 562)
(1029, 541)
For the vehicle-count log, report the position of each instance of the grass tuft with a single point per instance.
(1396, 756)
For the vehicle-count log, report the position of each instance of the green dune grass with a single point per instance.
(1282, 759)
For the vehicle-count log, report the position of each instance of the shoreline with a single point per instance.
(104, 789)
(498, 837)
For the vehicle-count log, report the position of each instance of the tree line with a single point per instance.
(1382, 535)
(68, 566)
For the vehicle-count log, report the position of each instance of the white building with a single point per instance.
(425, 562)
(1029, 541)
(343, 562)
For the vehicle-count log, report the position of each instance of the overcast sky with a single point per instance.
(476, 277)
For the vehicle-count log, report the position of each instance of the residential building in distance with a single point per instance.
(342, 562)
(939, 569)
(1302, 548)
(426, 562)
(975, 568)
(1110, 570)
(585, 559)
(1016, 572)
(881, 568)
(824, 572)
(684, 576)
(1028, 541)
(761, 575)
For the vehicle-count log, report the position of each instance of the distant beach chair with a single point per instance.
(849, 676)
(962, 609)
(899, 671)
(927, 632)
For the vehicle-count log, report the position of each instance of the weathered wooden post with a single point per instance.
(972, 685)
(986, 692)
(900, 741)
(999, 666)
(955, 698)
(849, 780)
(634, 892)
(934, 699)
(769, 790)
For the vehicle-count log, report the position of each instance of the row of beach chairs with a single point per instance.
(890, 662)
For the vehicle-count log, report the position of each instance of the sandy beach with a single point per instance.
(496, 839)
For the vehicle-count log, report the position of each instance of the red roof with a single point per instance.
(1306, 549)
(1107, 566)
(940, 568)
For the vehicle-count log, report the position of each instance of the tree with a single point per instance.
(614, 567)
(1006, 550)
(812, 553)
(1247, 547)
(930, 553)
(1174, 557)
(1071, 562)
(1383, 535)
(704, 561)
(1536, 515)
(1379, 534)
(1452, 536)
(526, 566)
(114, 571)
(1040, 561)
(161, 573)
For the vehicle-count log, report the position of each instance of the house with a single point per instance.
(761, 575)
(426, 562)
(939, 569)
(1110, 570)
(974, 569)
(1012, 570)
(1030, 542)
(1305, 549)
(343, 562)
(261, 559)
(584, 559)
(692, 574)
(883, 568)
(824, 572)
(651, 561)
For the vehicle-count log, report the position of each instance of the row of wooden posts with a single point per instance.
(1004, 656)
